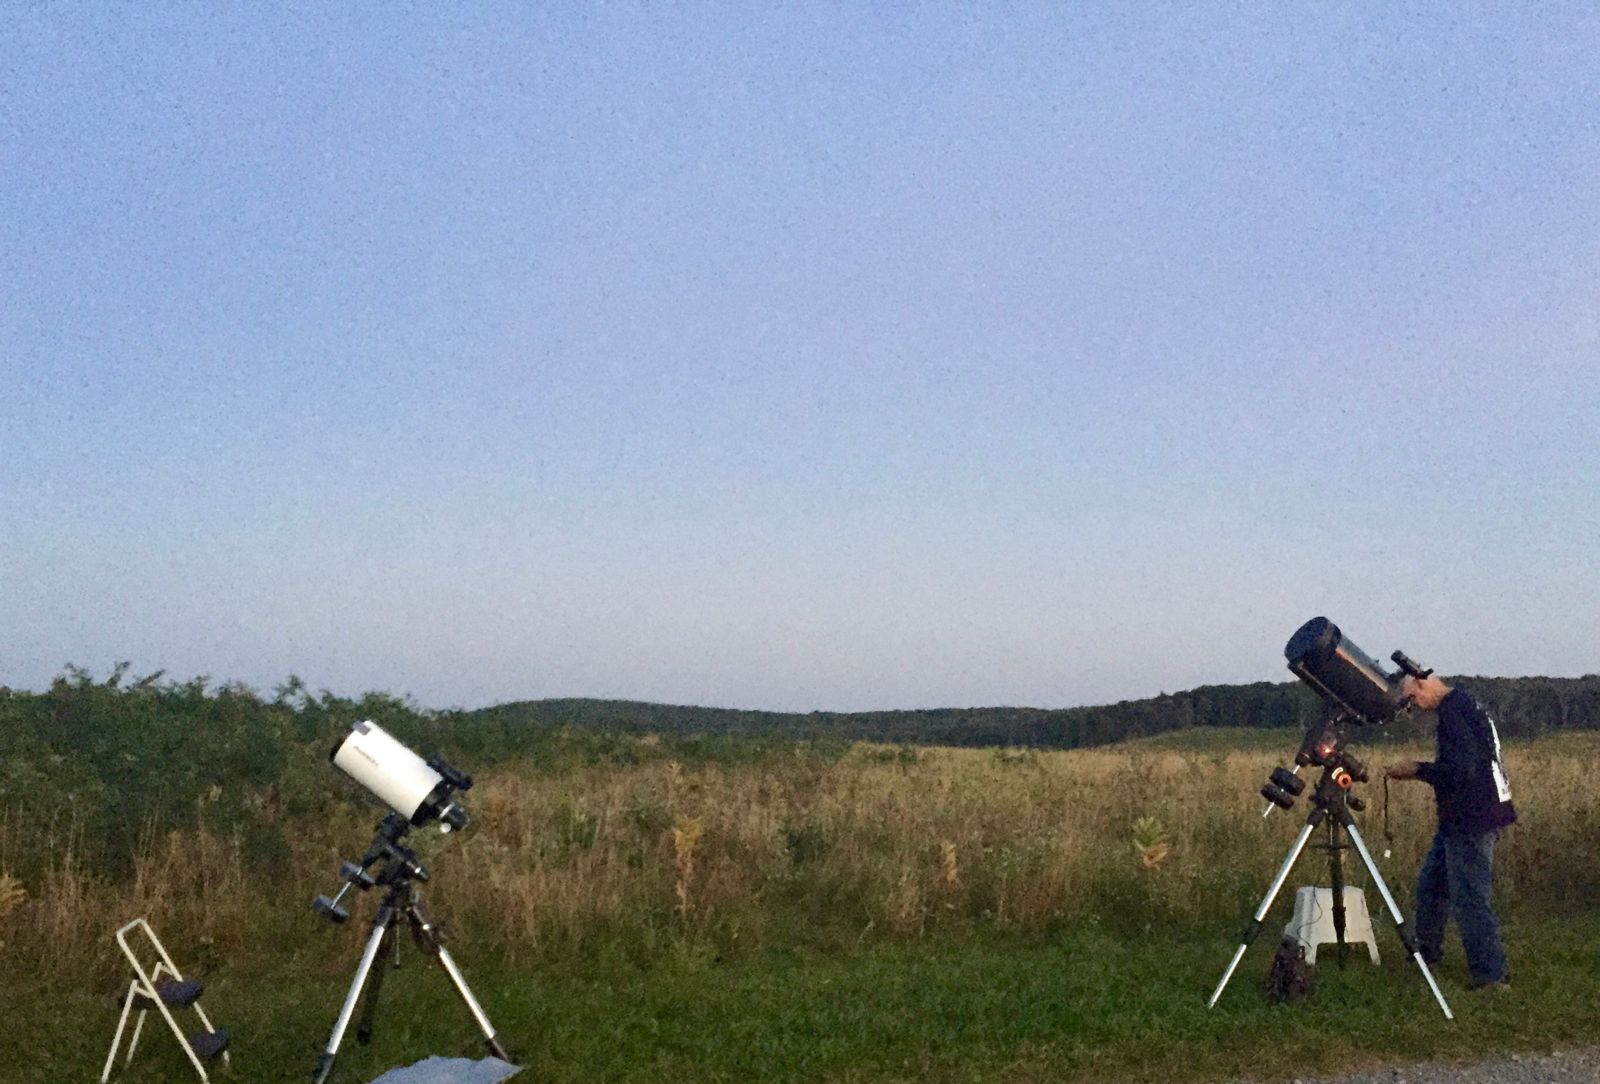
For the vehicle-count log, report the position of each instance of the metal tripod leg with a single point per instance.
(1394, 911)
(431, 940)
(385, 961)
(1266, 905)
(1336, 883)
(473, 1007)
(381, 926)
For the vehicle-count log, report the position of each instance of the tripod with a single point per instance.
(402, 903)
(1331, 804)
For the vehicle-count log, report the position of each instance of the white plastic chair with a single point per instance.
(1312, 923)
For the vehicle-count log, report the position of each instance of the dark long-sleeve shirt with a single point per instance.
(1468, 779)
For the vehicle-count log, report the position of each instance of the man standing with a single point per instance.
(1474, 800)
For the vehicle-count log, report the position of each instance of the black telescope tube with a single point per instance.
(1343, 674)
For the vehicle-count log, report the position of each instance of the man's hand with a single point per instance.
(1402, 769)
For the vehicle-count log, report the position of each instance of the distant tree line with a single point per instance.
(93, 767)
(1524, 707)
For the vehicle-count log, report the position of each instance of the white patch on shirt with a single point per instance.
(1502, 785)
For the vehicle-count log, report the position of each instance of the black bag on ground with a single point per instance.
(1291, 977)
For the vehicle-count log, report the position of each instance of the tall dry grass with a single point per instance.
(881, 843)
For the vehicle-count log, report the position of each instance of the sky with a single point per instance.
(797, 357)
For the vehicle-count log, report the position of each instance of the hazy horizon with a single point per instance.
(800, 359)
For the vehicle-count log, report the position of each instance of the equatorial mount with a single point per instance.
(1322, 747)
(400, 866)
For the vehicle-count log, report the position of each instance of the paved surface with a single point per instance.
(1557, 1067)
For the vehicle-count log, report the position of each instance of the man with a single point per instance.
(1474, 800)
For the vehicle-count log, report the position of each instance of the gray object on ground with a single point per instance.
(450, 1071)
(1580, 1066)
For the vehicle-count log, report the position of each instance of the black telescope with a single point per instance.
(1343, 674)
(1355, 689)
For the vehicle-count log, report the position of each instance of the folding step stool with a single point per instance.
(162, 988)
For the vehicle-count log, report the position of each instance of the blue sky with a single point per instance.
(816, 356)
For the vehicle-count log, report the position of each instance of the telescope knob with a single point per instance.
(356, 875)
(1355, 803)
(330, 910)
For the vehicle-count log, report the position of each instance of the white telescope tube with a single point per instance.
(373, 758)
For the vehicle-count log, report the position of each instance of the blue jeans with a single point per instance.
(1458, 875)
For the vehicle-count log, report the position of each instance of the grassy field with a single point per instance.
(869, 914)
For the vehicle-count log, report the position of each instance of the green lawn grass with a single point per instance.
(1086, 1004)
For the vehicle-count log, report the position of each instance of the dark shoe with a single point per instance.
(1490, 984)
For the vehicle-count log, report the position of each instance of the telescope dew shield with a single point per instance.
(1342, 673)
(376, 760)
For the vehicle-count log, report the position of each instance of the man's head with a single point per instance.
(1424, 692)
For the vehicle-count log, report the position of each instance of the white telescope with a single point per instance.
(419, 790)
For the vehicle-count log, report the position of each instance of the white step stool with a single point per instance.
(1312, 924)
(157, 985)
